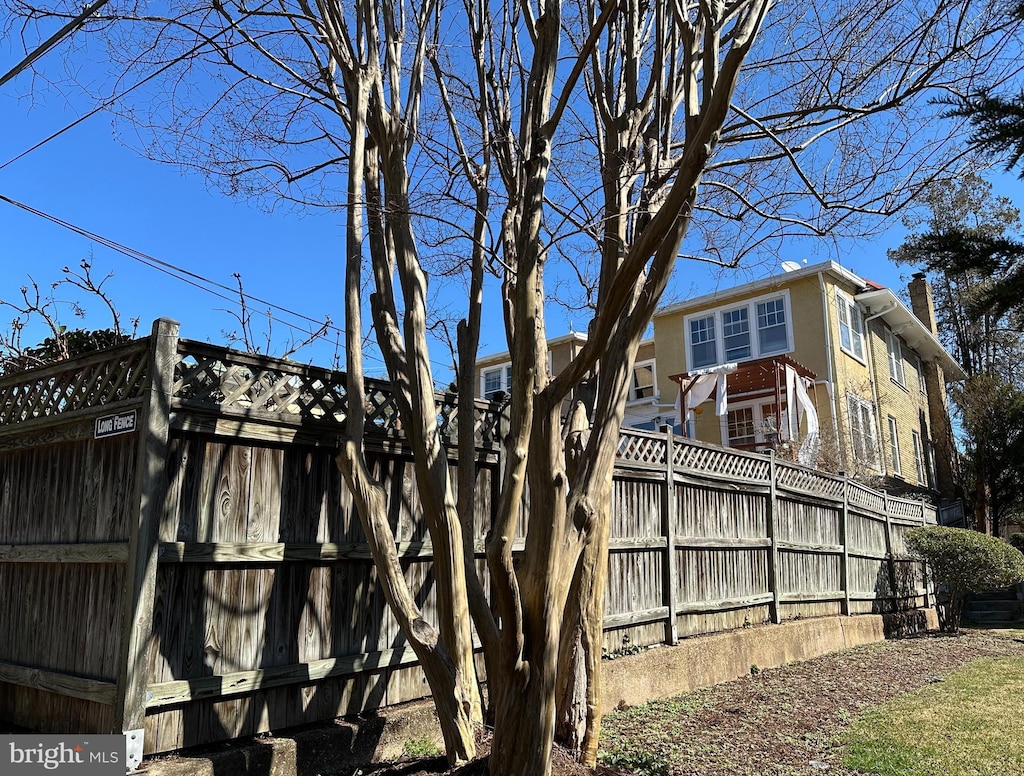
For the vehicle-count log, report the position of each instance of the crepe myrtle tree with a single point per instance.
(516, 145)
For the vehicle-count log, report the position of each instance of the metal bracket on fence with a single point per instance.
(133, 743)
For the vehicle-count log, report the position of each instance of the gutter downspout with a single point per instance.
(880, 313)
(873, 378)
(830, 384)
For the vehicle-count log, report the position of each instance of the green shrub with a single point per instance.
(964, 562)
(638, 762)
(422, 746)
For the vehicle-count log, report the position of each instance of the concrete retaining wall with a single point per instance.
(707, 660)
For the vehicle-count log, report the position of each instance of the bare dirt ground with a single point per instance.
(777, 722)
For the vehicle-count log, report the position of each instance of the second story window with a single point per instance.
(496, 379)
(851, 326)
(739, 332)
(736, 334)
(771, 326)
(702, 342)
(642, 386)
(892, 345)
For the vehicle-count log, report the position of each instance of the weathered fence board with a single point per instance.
(222, 581)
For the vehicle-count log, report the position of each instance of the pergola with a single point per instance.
(757, 379)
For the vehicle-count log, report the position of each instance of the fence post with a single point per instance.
(844, 539)
(140, 577)
(923, 565)
(669, 513)
(890, 560)
(774, 611)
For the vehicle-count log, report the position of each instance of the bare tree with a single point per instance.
(479, 141)
(61, 342)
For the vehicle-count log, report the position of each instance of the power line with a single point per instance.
(120, 95)
(180, 273)
(53, 40)
(193, 279)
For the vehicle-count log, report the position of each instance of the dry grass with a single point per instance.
(792, 720)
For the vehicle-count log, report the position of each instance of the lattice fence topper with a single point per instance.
(707, 460)
(641, 448)
(865, 497)
(810, 482)
(911, 510)
(266, 387)
(79, 384)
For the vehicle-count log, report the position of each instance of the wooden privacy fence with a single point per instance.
(180, 560)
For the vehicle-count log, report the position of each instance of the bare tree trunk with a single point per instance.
(449, 687)
(578, 697)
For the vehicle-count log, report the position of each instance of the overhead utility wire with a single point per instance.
(53, 40)
(180, 273)
(120, 95)
(157, 264)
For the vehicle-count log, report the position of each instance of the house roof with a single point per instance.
(883, 303)
(503, 357)
(764, 284)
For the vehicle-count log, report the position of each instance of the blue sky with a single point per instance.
(85, 177)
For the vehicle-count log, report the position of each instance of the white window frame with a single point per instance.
(504, 370)
(894, 446)
(753, 332)
(715, 328)
(922, 384)
(894, 350)
(854, 325)
(761, 410)
(653, 387)
(750, 344)
(785, 323)
(919, 463)
(864, 441)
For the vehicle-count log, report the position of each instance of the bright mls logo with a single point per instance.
(26, 755)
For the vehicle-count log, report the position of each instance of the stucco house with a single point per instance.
(864, 374)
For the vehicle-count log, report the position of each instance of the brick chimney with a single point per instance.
(921, 301)
(941, 432)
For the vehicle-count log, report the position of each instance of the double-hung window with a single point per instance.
(702, 342)
(771, 326)
(919, 367)
(642, 386)
(862, 431)
(919, 458)
(851, 326)
(496, 379)
(739, 332)
(895, 350)
(736, 334)
(894, 446)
